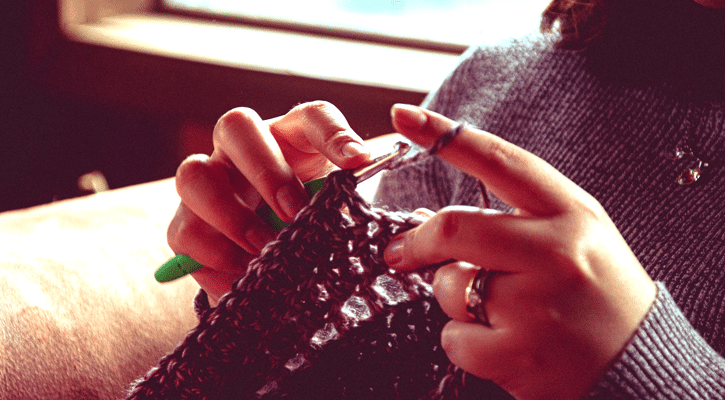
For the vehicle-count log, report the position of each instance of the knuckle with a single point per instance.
(449, 344)
(576, 237)
(446, 224)
(560, 245)
(192, 169)
(500, 154)
(173, 237)
(570, 252)
(327, 119)
(441, 281)
(241, 118)
(317, 108)
(590, 209)
(178, 233)
(431, 240)
(456, 346)
(566, 255)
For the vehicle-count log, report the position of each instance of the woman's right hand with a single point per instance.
(254, 160)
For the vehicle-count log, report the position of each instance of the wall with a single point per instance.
(48, 138)
(68, 108)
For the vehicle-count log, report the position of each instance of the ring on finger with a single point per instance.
(476, 294)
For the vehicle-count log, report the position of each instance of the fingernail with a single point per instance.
(394, 252)
(352, 149)
(409, 116)
(175, 268)
(258, 238)
(422, 215)
(291, 200)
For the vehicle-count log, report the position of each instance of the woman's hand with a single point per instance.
(570, 293)
(253, 160)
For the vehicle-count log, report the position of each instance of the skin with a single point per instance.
(563, 310)
(254, 160)
(571, 293)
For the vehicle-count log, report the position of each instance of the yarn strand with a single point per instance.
(318, 315)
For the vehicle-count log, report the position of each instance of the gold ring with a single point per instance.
(476, 294)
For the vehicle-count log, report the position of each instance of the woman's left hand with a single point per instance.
(568, 293)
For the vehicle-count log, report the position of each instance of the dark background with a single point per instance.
(68, 108)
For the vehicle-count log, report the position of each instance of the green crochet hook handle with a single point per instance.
(182, 265)
(270, 218)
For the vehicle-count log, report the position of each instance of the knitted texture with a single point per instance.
(615, 139)
(616, 142)
(319, 315)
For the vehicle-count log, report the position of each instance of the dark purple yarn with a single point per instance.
(320, 316)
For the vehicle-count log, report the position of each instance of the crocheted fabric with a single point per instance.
(321, 316)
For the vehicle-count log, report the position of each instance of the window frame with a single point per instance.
(72, 55)
(289, 26)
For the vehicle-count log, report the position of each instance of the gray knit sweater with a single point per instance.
(612, 136)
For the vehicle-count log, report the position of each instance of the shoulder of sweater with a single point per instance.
(485, 72)
(511, 54)
(512, 49)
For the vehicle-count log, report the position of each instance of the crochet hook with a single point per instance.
(182, 264)
(363, 173)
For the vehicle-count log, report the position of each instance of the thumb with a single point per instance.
(319, 127)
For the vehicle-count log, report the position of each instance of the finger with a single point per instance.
(424, 213)
(242, 139)
(188, 234)
(421, 215)
(501, 241)
(518, 177)
(205, 189)
(479, 350)
(451, 284)
(216, 283)
(320, 128)
(449, 289)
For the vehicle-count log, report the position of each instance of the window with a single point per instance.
(407, 45)
(192, 60)
(449, 25)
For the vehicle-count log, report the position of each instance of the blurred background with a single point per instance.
(70, 106)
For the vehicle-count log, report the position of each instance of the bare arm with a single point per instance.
(80, 313)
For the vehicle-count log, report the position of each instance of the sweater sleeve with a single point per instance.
(666, 359)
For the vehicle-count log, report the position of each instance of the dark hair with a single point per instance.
(579, 22)
(675, 41)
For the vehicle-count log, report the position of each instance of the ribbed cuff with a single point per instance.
(667, 359)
